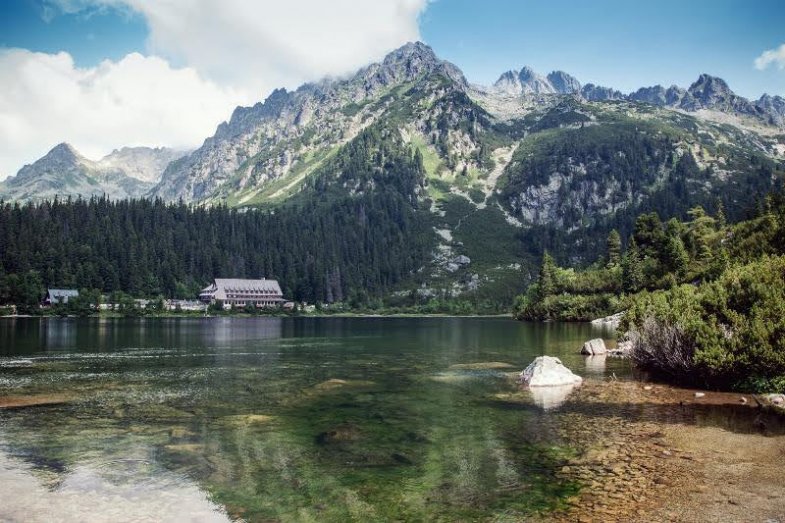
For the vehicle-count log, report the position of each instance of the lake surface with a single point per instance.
(270, 419)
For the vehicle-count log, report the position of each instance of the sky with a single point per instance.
(101, 74)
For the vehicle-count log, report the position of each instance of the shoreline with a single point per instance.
(244, 315)
(683, 459)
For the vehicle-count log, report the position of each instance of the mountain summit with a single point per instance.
(126, 173)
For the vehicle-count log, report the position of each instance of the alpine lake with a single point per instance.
(297, 419)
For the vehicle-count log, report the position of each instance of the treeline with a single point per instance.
(322, 247)
(657, 255)
(704, 301)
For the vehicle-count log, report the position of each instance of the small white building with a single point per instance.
(233, 292)
(60, 296)
(185, 305)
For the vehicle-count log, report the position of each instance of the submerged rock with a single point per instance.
(337, 384)
(548, 371)
(240, 420)
(594, 347)
(36, 400)
(485, 365)
(340, 434)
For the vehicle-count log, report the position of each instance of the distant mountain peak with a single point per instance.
(529, 81)
(63, 150)
(564, 83)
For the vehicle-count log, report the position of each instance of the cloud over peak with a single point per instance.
(770, 57)
(203, 58)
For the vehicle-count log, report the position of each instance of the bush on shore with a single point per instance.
(727, 333)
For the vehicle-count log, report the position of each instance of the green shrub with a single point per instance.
(731, 331)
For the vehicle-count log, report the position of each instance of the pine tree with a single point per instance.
(676, 259)
(614, 248)
(547, 280)
(632, 268)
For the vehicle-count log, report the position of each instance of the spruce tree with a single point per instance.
(614, 248)
(547, 279)
(632, 268)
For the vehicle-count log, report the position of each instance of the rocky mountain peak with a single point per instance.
(411, 61)
(596, 93)
(62, 152)
(142, 163)
(526, 81)
(564, 83)
(711, 92)
(708, 87)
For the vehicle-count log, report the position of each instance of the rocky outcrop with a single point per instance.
(564, 83)
(548, 371)
(773, 107)
(596, 93)
(623, 349)
(611, 321)
(594, 347)
(528, 82)
(143, 163)
(772, 400)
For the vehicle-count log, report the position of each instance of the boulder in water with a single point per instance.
(594, 347)
(548, 371)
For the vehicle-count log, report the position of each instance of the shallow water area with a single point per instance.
(328, 419)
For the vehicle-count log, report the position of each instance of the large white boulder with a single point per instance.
(594, 347)
(548, 371)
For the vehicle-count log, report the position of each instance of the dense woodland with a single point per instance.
(322, 247)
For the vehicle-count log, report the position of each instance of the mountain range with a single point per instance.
(249, 152)
(706, 93)
(500, 172)
(129, 172)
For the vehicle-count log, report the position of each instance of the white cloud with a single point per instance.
(135, 101)
(227, 52)
(267, 44)
(771, 57)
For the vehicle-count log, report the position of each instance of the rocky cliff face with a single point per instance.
(291, 132)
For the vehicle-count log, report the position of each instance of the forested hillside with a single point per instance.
(321, 247)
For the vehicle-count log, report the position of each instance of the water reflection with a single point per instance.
(548, 398)
(595, 364)
(85, 494)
